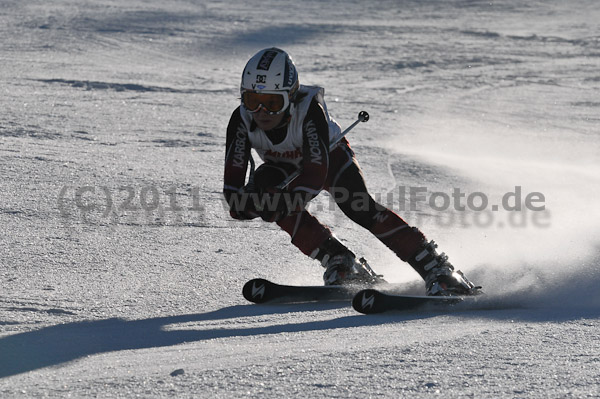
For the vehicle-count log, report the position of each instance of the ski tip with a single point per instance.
(367, 301)
(255, 289)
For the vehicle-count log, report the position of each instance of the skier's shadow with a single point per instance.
(55, 345)
(62, 343)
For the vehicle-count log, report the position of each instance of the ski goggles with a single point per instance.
(274, 102)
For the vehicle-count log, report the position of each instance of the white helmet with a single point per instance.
(269, 81)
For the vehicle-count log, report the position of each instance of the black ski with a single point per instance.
(373, 301)
(260, 291)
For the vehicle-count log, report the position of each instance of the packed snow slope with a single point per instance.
(121, 272)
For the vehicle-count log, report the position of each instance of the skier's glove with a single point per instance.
(241, 205)
(277, 204)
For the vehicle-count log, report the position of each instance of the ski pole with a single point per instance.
(363, 116)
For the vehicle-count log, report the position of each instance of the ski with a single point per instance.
(373, 301)
(260, 291)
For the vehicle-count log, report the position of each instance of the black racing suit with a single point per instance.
(338, 173)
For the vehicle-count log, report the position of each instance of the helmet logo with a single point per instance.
(291, 73)
(261, 78)
(265, 62)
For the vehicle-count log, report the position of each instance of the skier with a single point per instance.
(289, 127)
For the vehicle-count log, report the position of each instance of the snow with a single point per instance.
(121, 273)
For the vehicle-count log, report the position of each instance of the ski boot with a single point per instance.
(345, 269)
(440, 277)
(342, 267)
